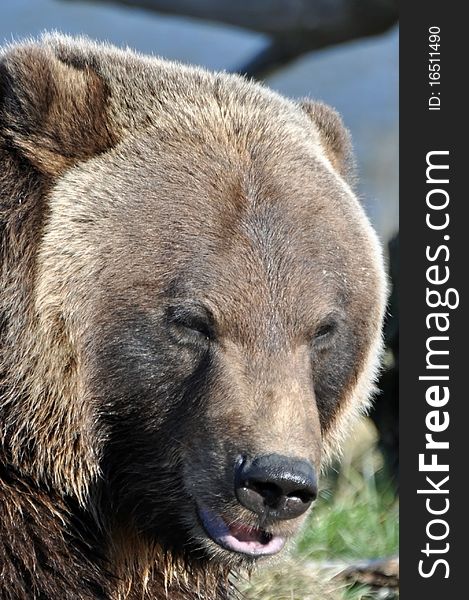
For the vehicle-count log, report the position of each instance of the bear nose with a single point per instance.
(276, 486)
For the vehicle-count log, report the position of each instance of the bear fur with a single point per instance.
(186, 277)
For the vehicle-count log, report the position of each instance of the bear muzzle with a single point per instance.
(274, 489)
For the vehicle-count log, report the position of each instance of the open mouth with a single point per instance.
(240, 538)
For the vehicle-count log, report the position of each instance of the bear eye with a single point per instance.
(195, 325)
(189, 323)
(325, 331)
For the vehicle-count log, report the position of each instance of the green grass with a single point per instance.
(359, 520)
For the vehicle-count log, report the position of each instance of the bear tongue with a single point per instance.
(251, 541)
(240, 538)
(244, 533)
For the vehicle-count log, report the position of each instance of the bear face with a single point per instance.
(201, 295)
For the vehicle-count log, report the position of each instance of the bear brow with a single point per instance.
(184, 308)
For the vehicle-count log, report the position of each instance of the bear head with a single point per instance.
(192, 295)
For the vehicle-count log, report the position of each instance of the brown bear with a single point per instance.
(191, 305)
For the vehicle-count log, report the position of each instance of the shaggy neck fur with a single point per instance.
(49, 549)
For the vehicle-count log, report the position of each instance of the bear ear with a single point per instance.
(52, 113)
(334, 136)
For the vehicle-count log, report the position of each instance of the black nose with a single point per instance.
(276, 486)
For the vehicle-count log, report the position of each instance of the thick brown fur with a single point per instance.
(135, 192)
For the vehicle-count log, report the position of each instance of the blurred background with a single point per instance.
(345, 53)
